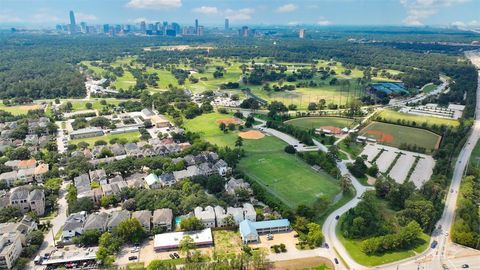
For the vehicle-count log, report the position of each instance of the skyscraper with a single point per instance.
(301, 33)
(227, 24)
(143, 27)
(73, 25)
(196, 26)
(72, 18)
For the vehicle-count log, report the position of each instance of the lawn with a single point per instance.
(396, 135)
(315, 122)
(394, 116)
(79, 104)
(427, 88)
(227, 242)
(19, 109)
(206, 126)
(130, 136)
(354, 249)
(475, 156)
(287, 177)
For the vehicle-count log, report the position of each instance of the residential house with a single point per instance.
(8, 177)
(26, 175)
(220, 216)
(24, 227)
(99, 176)
(27, 164)
(117, 149)
(206, 216)
(12, 164)
(10, 249)
(233, 185)
(152, 181)
(96, 221)
(163, 218)
(19, 198)
(222, 167)
(40, 171)
(167, 179)
(249, 212)
(144, 217)
(36, 199)
(236, 213)
(73, 226)
(116, 218)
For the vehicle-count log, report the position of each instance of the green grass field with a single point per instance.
(428, 88)
(394, 116)
(287, 177)
(19, 109)
(354, 249)
(206, 125)
(315, 122)
(401, 135)
(130, 136)
(79, 105)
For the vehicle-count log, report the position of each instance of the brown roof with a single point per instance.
(29, 163)
(41, 169)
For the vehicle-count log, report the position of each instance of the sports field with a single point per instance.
(19, 109)
(394, 116)
(207, 127)
(395, 135)
(316, 122)
(287, 177)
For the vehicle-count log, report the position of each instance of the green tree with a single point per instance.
(314, 235)
(191, 224)
(186, 245)
(88, 238)
(345, 183)
(88, 105)
(239, 142)
(160, 265)
(130, 231)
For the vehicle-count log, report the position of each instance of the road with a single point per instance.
(330, 223)
(56, 224)
(418, 98)
(60, 139)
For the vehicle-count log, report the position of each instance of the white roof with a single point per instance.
(456, 107)
(171, 240)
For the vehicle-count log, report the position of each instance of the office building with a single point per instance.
(200, 31)
(72, 19)
(143, 27)
(301, 33)
(227, 24)
(196, 26)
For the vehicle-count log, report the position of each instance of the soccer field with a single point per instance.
(396, 135)
(287, 177)
(315, 122)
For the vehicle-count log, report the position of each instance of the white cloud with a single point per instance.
(206, 10)
(85, 17)
(139, 20)
(287, 8)
(243, 14)
(8, 18)
(419, 10)
(293, 23)
(458, 24)
(43, 16)
(154, 4)
(474, 23)
(323, 22)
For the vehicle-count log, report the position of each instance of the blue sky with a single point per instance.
(244, 12)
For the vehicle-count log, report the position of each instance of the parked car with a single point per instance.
(131, 258)
(171, 256)
(434, 244)
(269, 236)
(465, 266)
(176, 255)
(326, 245)
(336, 260)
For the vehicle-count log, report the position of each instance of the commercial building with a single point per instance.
(86, 133)
(169, 241)
(250, 231)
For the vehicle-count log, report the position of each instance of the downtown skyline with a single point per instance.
(42, 13)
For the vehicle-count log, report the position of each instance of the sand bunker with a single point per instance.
(251, 135)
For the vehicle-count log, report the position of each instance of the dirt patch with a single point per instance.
(302, 263)
(227, 121)
(332, 129)
(380, 136)
(251, 135)
(371, 180)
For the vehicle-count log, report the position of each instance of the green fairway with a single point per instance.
(396, 135)
(207, 127)
(315, 122)
(394, 116)
(353, 248)
(287, 177)
(130, 136)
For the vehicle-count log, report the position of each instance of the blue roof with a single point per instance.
(248, 227)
